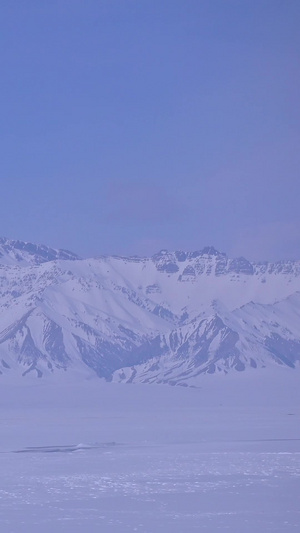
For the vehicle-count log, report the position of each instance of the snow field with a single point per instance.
(91, 456)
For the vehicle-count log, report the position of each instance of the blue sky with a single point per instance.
(128, 126)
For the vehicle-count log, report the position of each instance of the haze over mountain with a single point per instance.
(163, 319)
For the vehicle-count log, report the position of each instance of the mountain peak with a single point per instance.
(210, 250)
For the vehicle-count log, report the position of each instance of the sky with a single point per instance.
(128, 126)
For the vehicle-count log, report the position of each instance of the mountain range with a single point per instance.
(168, 318)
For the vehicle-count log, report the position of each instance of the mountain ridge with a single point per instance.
(21, 252)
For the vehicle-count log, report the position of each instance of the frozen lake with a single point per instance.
(122, 458)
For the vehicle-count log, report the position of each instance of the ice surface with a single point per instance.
(122, 458)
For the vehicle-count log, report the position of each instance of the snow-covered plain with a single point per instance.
(92, 456)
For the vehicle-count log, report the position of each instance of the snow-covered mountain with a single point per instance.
(164, 319)
(26, 253)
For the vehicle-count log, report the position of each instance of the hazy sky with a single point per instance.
(128, 126)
